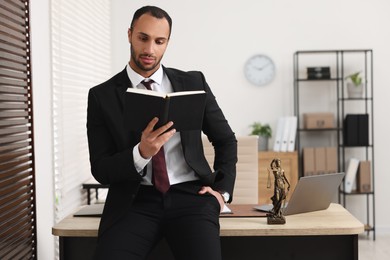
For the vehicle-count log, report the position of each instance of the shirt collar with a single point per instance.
(136, 79)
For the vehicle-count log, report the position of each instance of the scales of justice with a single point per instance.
(281, 189)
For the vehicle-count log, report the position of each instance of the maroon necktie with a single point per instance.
(159, 168)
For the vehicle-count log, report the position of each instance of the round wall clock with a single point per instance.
(259, 70)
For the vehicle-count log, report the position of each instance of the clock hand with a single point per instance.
(261, 68)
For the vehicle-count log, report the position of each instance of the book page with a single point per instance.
(146, 92)
(182, 93)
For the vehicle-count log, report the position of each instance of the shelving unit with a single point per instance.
(330, 95)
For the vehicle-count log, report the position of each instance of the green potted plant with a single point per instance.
(354, 85)
(264, 132)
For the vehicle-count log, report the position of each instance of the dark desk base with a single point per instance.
(96, 186)
(343, 247)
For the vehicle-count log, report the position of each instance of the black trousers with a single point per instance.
(189, 222)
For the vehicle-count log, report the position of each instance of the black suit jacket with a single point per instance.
(111, 144)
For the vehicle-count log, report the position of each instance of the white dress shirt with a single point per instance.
(178, 169)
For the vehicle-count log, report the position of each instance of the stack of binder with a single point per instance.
(285, 134)
(319, 160)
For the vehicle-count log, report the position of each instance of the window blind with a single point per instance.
(81, 55)
(17, 186)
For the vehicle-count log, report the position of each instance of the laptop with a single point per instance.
(312, 193)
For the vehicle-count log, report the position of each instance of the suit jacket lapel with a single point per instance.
(176, 81)
(122, 84)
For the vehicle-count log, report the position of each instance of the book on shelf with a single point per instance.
(185, 109)
(350, 175)
(356, 130)
(292, 133)
(279, 134)
(285, 134)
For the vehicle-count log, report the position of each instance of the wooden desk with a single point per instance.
(326, 234)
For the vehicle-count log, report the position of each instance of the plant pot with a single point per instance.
(354, 91)
(263, 143)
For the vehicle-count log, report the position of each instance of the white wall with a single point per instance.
(217, 37)
(42, 105)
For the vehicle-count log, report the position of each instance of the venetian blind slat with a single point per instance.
(13, 49)
(12, 57)
(12, 199)
(13, 122)
(9, 15)
(21, 186)
(13, 74)
(17, 204)
(15, 209)
(16, 174)
(12, 36)
(12, 89)
(13, 7)
(13, 98)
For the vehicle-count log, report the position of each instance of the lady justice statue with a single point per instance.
(280, 192)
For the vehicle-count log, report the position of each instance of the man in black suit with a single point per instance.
(136, 214)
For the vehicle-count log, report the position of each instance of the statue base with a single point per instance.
(275, 220)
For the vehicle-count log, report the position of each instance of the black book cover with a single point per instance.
(351, 130)
(356, 130)
(185, 109)
(363, 130)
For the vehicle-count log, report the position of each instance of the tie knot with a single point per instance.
(148, 84)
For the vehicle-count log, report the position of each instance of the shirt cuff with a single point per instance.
(139, 161)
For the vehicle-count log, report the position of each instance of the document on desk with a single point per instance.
(241, 211)
(226, 210)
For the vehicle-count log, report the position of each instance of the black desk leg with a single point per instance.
(89, 196)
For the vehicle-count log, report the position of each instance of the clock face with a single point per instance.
(259, 70)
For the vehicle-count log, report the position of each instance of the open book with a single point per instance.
(185, 109)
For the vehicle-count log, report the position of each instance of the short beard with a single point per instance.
(138, 64)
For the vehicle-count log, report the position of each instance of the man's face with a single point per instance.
(148, 39)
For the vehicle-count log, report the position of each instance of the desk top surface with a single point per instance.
(335, 220)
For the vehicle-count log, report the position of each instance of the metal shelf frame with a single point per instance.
(340, 61)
